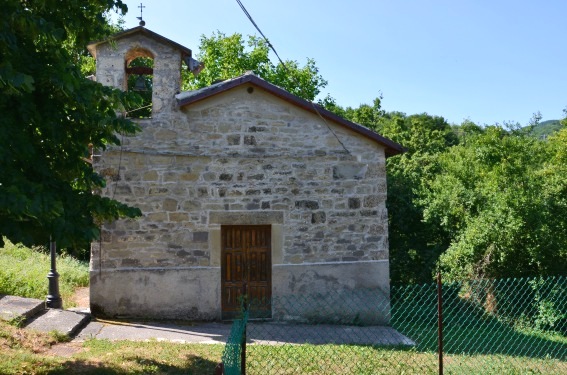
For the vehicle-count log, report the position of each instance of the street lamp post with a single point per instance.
(53, 299)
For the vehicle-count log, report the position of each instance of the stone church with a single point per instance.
(244, 188)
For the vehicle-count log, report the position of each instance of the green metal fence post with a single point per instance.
(243, 341)
(243, 352)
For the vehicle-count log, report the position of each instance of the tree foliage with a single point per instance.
(500, 199)
(475, 201)
(227, 57)
(415, 245)
(50, 115)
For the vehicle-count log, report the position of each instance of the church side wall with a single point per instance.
(239, 158)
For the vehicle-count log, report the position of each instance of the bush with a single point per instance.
(23, 272)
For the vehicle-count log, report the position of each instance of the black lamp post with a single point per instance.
(53, 297)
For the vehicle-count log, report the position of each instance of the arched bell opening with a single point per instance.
(140, 74)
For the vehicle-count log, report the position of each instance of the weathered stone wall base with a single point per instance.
(345, 293)
(186, 294)
(341, 293)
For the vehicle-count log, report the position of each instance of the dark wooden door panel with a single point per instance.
(246, 265)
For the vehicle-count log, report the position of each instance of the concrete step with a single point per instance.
(63, 321)
(13, 307)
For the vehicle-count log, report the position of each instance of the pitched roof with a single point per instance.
(189, 97)
(140, 30)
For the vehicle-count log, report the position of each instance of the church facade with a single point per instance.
(245, 189)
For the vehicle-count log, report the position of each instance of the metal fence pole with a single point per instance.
(440, 322)
(219, 370)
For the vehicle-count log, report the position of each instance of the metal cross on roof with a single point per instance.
(142, 22)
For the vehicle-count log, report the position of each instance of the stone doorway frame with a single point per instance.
(218, 218)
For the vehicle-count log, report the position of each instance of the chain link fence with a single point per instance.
(507, 326)
(234, 354)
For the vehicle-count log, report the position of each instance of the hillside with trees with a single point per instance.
(545, 128)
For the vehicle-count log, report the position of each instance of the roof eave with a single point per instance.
(391, 148)
(142, 30)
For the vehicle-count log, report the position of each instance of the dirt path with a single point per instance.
(81, 297)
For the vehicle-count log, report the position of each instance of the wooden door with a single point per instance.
(246, 266)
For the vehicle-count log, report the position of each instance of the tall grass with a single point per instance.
(23, 272)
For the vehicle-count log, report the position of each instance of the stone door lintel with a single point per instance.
(218, 218)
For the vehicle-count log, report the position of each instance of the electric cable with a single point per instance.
(288, 72)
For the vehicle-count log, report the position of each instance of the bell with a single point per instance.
(140, 84)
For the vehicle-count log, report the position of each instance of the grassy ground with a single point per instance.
(353, 359)
(23, 272)
(25, 352)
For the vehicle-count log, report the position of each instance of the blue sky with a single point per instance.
(487, 61)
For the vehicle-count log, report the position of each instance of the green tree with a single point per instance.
(227, 57)
(500, 200)
(415, 245)
(50, 115)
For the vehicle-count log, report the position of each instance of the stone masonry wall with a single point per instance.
(242, 151)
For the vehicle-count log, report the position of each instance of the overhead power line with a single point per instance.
(288, 72)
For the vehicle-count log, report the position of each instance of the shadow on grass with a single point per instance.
(191, 364)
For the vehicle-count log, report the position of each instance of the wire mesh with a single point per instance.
(507, 326)
(231, 356)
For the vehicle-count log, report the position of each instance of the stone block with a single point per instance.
(122, 189)
(156, 190)
(200, 237)
(157, 216)
(349, 171)
(372, 201)
(191, 205)
(178, 216)
(150, 176)
(353, 203)
(308, 204)
(252, 206)
(257, 177)
(376, 170)
(132, 176)
(246, 218)
(374, 239)
(165, 135)
(188, 176)
(170, 177)
(202, 192)
(225, 177)
(169, 204)
(318, 217)
(209, 176)
(233, 139)
(249, 140)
